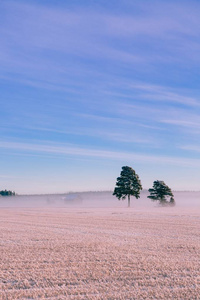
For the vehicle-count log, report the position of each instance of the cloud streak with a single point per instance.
(193, 148)
(73, 150)
(182, 123)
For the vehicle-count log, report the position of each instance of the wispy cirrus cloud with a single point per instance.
(130, 90)
(182, 123)
(110, 134)
(193, 148)
(82, 32)
(73, 150)
(161, 93)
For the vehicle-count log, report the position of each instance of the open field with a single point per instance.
(100, 253)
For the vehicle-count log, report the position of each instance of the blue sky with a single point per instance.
(90, 86)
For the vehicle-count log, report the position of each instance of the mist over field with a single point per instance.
(97, 200)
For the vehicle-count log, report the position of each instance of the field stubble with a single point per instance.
(105, 253)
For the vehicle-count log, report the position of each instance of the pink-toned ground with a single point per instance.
(99, 253)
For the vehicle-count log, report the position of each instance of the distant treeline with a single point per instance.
(7, 193)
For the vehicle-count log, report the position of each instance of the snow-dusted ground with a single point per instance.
(100, 249)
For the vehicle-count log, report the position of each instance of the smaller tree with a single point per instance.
(162, 193)
(7, 193)
(128, 184)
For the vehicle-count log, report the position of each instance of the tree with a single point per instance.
(161, 192)
(7, 193)
(128, 184)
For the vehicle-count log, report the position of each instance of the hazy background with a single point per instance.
(184, 200)
(90, 86)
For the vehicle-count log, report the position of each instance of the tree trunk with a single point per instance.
(129, 201)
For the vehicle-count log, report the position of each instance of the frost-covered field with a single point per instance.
(100, 252)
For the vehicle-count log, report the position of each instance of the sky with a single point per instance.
(87, 87)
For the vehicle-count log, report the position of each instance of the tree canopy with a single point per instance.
(128, 184)
(161, 192)
(7, 193)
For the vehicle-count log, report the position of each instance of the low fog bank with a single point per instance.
(96, 199)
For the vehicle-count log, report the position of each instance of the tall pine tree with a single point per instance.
(128, 184)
